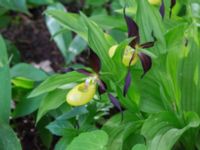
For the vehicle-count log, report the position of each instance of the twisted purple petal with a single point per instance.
(127, 83)
(146, 62)
(162, 9)
(102, 87)
(116, 103)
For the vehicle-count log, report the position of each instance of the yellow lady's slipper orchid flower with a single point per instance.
(81, 94)
(127, 55)
(154, 2)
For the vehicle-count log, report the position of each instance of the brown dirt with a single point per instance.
(32, 38)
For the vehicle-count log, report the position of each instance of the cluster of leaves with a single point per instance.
(160, 110)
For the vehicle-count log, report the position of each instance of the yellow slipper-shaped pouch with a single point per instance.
(81, 94)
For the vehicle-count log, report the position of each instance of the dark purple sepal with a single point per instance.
(102, 87)
(94, 62)
(147, 45)
(84, 71)
(127, 83)
(116, 103)
(173, 3)
(162, 9)
(133, 30)
(146, 62)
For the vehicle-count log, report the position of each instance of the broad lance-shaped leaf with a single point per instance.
(16, 5)
(189, 81)
(146, 62)
(139, 147)
(5, 84)
(133, 30)
(51, 101)
(82, 71)
(27, 106)
(8, 139)
(56, 81)
(75, 24)
(94, 140)
(100, 45)
(27, 71)
(63, 39)
(148, 21)
(127, 83)
(162, 130)
(162, 9)
(121, 132)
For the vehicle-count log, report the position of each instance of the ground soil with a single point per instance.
(32, 39)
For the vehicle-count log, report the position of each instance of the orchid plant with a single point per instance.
(124, 73)
(137, 92)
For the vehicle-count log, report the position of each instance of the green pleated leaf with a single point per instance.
(152, 100)
(44, 134)
(175, 35)
(5, 84)
(17, 5)
(64, 142)
(62, 128)
(70, 21)
(94, 140)
(62, 125)
(56, 81)
(164, 129)
(63, 39)
(109, 22)
(40, 2)
(28, 71)
(150, 21)
(119, 132)
(139, 147)
(89, 31)
(51, 101)
(27, 106)
(97, 41)
(77, 45)
(23, 83)
(8, 139)
(189, 78)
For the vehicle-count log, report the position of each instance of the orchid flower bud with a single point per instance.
(154, 2)
(128, 53)
(81, 94)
